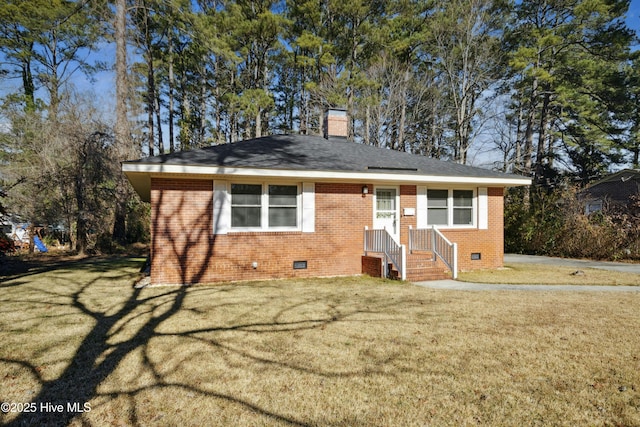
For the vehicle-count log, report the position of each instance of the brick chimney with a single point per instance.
(335, 123)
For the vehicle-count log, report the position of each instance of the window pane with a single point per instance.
(437, 216)
(283, 195)
(462, 198)
(246, 194)
(462, 216)
(283, 205)
(437, 198)
(462, 207)
(245, 216)
(385, 200)
(245, 205)
(282, 217)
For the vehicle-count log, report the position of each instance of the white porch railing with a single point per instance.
(432, 240)
(380, 241)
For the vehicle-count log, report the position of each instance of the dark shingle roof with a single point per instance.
(298, 152)
(617, 187)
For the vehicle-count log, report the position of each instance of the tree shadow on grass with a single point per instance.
(15, 267)
(147, 315)
(96, 356)
(129, 324)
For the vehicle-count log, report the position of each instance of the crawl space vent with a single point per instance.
(299, 265)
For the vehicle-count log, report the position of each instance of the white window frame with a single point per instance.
(446, 208)
(264, 207)
(450, 208)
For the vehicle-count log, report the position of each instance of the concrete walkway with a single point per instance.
(577, 263)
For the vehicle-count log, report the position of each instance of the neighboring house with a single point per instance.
(297, 206)
(6, 226)
(16, 230)
(616, 189)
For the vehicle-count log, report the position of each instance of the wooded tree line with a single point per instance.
(549, 86)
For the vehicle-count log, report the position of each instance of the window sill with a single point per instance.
(454, 227)
(264, 232)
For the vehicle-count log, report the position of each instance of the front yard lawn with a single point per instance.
(539, 274)
(325, 352)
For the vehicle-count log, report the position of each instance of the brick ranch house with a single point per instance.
(305, 206)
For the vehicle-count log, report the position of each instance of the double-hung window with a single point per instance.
(450, 208)
(283, 206)
(462, 207)
(246, 205)
(265, 206)
(438, 207)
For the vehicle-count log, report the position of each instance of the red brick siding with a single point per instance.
(185, 250)
(181, 239)
(408, 199)
(337, 125)
(489, 243)
(372, 266)
(181, 255)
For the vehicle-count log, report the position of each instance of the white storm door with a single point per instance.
(386, 213)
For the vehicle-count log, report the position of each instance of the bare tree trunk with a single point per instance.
(542, 134)
(234, 127)
(304, 112)
(403, 111)
(185, 130)
(159, 123)
(218, 111)
(171, 88)
(259, 123)
(151, 99)
(202, 123)
(518, 154)
(528, 133)
(233, 116)
(434, 150)
(528, 141)
(122, 128)
(367, 125)
(81, 222)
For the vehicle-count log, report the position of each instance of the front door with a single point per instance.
(386, 211)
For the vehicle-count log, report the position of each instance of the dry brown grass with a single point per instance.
(334, 352)
(524, 274)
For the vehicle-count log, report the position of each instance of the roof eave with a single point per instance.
(139, 174)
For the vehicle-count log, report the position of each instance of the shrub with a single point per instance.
(6, 244)
(138, 222)
(106, 245)
(554, 223)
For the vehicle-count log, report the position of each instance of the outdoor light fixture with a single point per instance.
(365, 190)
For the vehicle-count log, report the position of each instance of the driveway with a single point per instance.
(578, 263)
(514, 258)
